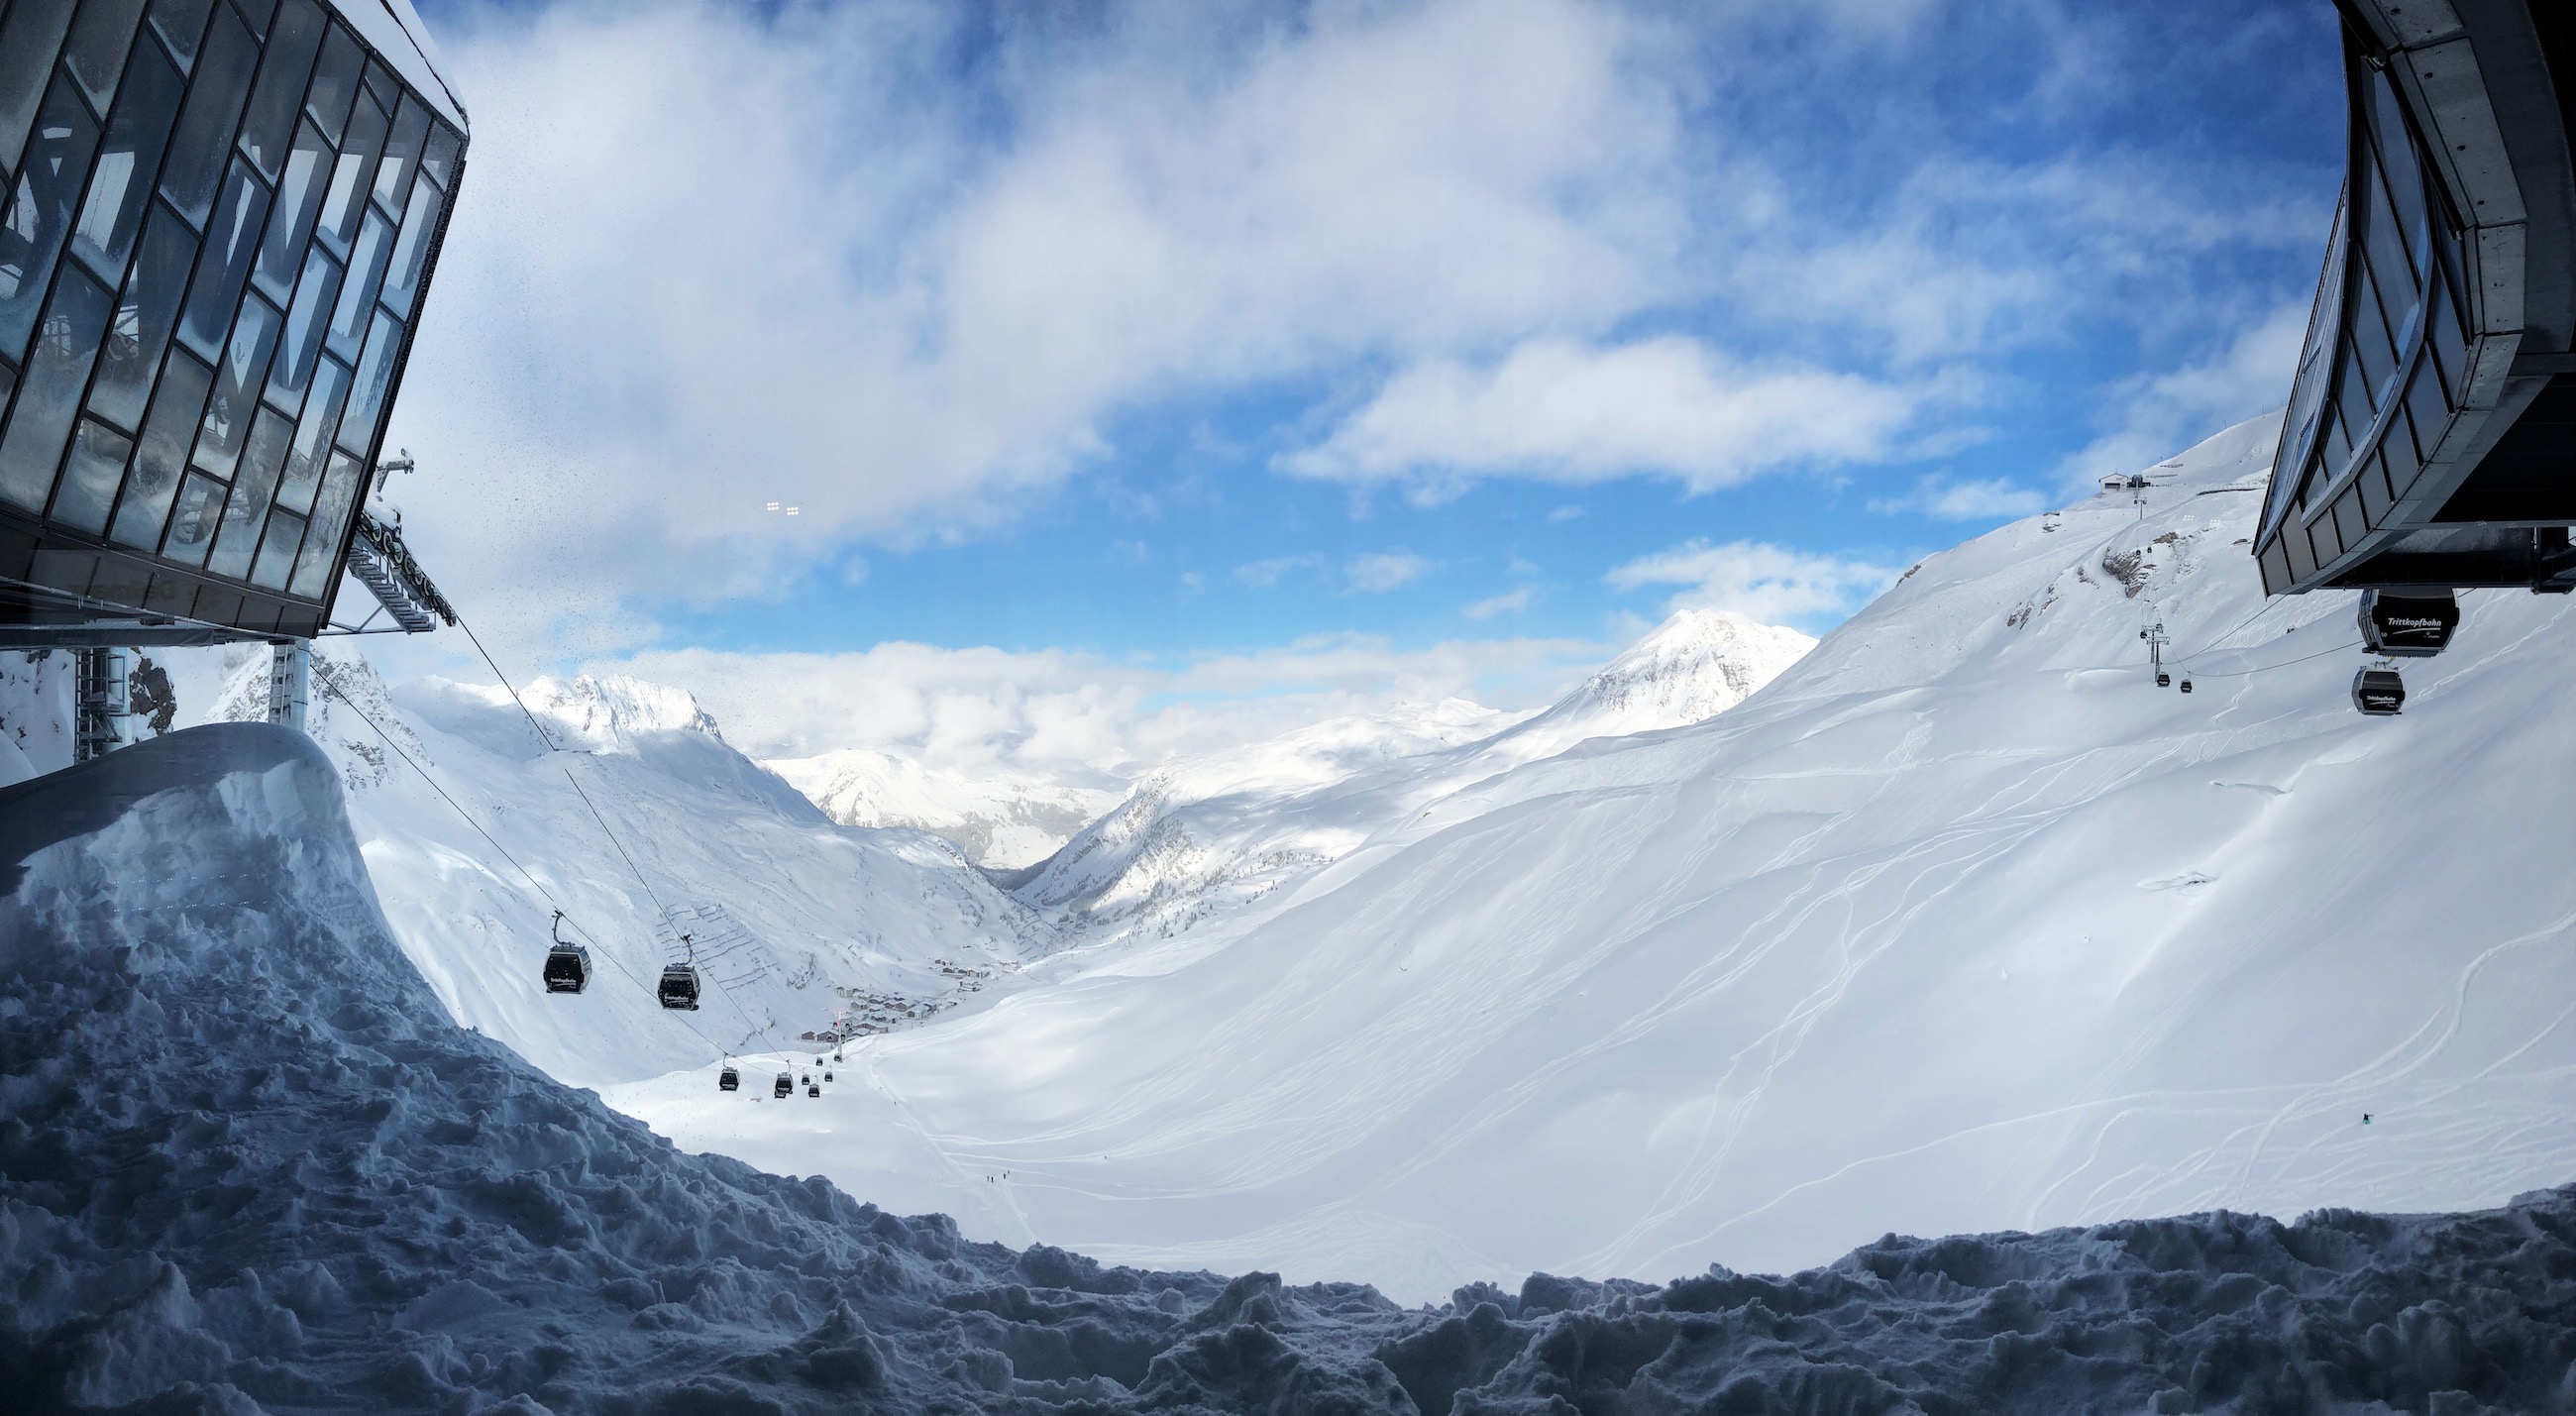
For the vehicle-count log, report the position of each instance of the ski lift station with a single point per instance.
(222, 221)
(2430, 444)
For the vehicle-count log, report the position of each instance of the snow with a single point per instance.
(799, 926)
(247, 1164)
(1958, 925)
(1005, 822)
(1213, 834)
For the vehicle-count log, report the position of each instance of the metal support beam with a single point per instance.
(290, 680)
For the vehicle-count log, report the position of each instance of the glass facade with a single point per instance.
(219, 221)
(2386, 361)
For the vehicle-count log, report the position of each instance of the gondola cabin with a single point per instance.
(729, 1080)
(786, 1086)
(679, 988)
(567, 964)
(2380, 693)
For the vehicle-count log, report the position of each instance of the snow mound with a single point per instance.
(246, 1164)
(1000, 822)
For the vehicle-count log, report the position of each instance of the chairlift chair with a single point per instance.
(729, 1080)
(786, 1086)
(2379, 693)
(567, 964)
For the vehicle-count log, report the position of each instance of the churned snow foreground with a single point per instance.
(247, 1164)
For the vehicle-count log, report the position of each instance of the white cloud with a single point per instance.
(1266, 573)
(1381, 571)
(1773, 584)
(712, 256)
(1557, 411)
(1079, 717)
(2157, 414)
(1945, 498)
(1509, 602)
(1564, 514)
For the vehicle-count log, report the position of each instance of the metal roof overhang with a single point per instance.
(2489, 93)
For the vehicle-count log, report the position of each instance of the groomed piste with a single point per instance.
(247, 1164)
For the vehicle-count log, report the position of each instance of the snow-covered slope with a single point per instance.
(1005, 823)
(799, 926)
(247, 1165)
(1959, 924)
(1214, 834)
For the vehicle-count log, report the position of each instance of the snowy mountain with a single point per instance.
(1002, 823)
(1216, 833)
(620, 803)
(1960, 924)
(1692, 667)
(247, 1164)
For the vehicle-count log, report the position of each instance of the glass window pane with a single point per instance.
(402, 281)
(302, 343)
(192, 523)
(252, 490)
(381, 83)
(145, 313)
(269, 123)
(330, 519)
(237, 383)
(2369, 339)
(2444, 336)
(160, 453)
(223, 265)
(131, 153)
(2431, 411)
(2396, 454)
(375, 374)
(402, 149)
(2390, 264)
(335, 81)
(215, 97)
(2397, 158)
(312, 444)
(358, 292)
(40, 213)
(290, 225)
(182, 26)
(349, 178)
(438, 159)
(49, 395)
(100, 39)
(257, 12)
(90, 478)
(277, 550)
(29, 39)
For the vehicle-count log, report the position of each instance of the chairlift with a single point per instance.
(2379, 693)
(567, 964)
(786, 1086)
(729, 1080)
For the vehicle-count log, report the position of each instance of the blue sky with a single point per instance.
(1184, 372)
